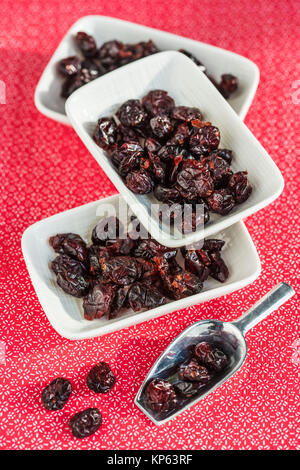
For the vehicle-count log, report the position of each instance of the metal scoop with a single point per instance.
(228, 335)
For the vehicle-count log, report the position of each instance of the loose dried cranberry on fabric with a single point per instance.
(204, 140)
(98, 301)
(56, 394)
(161, 126)
(108, 228)
(132, 114)
(100, 378)
(158, 102)
(210, 356)
(86, 44)
(71, 275)
(228, 84)
(160, 396)
(105, 134)
(139, 182)
(218, 268)
(71, 244)
(240, 186)
(221, 201)
(69, 66)
(85, 423)
(186, 113)
(194, 372)
(194, 180)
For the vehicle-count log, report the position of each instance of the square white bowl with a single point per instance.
(174, 72)
(218, 61)
(65, 312)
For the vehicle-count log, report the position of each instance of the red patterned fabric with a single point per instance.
(46, 169)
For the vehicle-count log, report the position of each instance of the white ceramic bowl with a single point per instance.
(217, 61)
(65, 312)
(174, 72)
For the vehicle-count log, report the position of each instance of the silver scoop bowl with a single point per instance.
(228, 335)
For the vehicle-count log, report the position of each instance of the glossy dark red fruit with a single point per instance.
(240, 186)
(98, 301)
(194, 372)
(139, 182)
(160, 396)
(86, 44)
(105, 134)
(71, 275)
(221, 201)
(71, 244)
(85, 423)
(211, 356)
(158, 102)
(204, 140)
(100, 378)
(56, 394)
(69, 66)
(132, 114)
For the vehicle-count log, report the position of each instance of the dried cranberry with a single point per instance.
(240, 186)
(161, 126)
(127, 157)
(160, 396)
(168, 152)
(71, 244)
(204, 140)
(148, 248)
(158, 102)
(180, 136)
(107, 228)
(188, 389)
(152, 145)
(70, 85)
(221, 201)
(228, 84)
(186, 113)
(155, 167)
(223, 153)
(194, 180)
(71, 275)
(139, 182)
(96, 256)
(112, 52)
(219, 170)
(100, 378)
(210, 356)
(120, 301)
(194, 217)
(86, 44)
(194, 263)
(69, 66)
(85, 423)
(194, 372)
(122, 270)
(126, 134)
(105, 134)
(120, 246)
(56, 394)
(99, 300)
(165, 194)
(218, 268)
(90, 70)
(132, 114)
(213, 244)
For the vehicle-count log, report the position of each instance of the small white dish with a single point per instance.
(47, 95)
(187, 85)
(65, 312)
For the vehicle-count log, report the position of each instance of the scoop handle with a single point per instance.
(266, 305)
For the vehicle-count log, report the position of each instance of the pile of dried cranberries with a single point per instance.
(157, 146)
(206, 362)
(121, 271)
(100, 379)
(112, 55)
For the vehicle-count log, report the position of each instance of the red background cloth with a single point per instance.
(46, 169)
